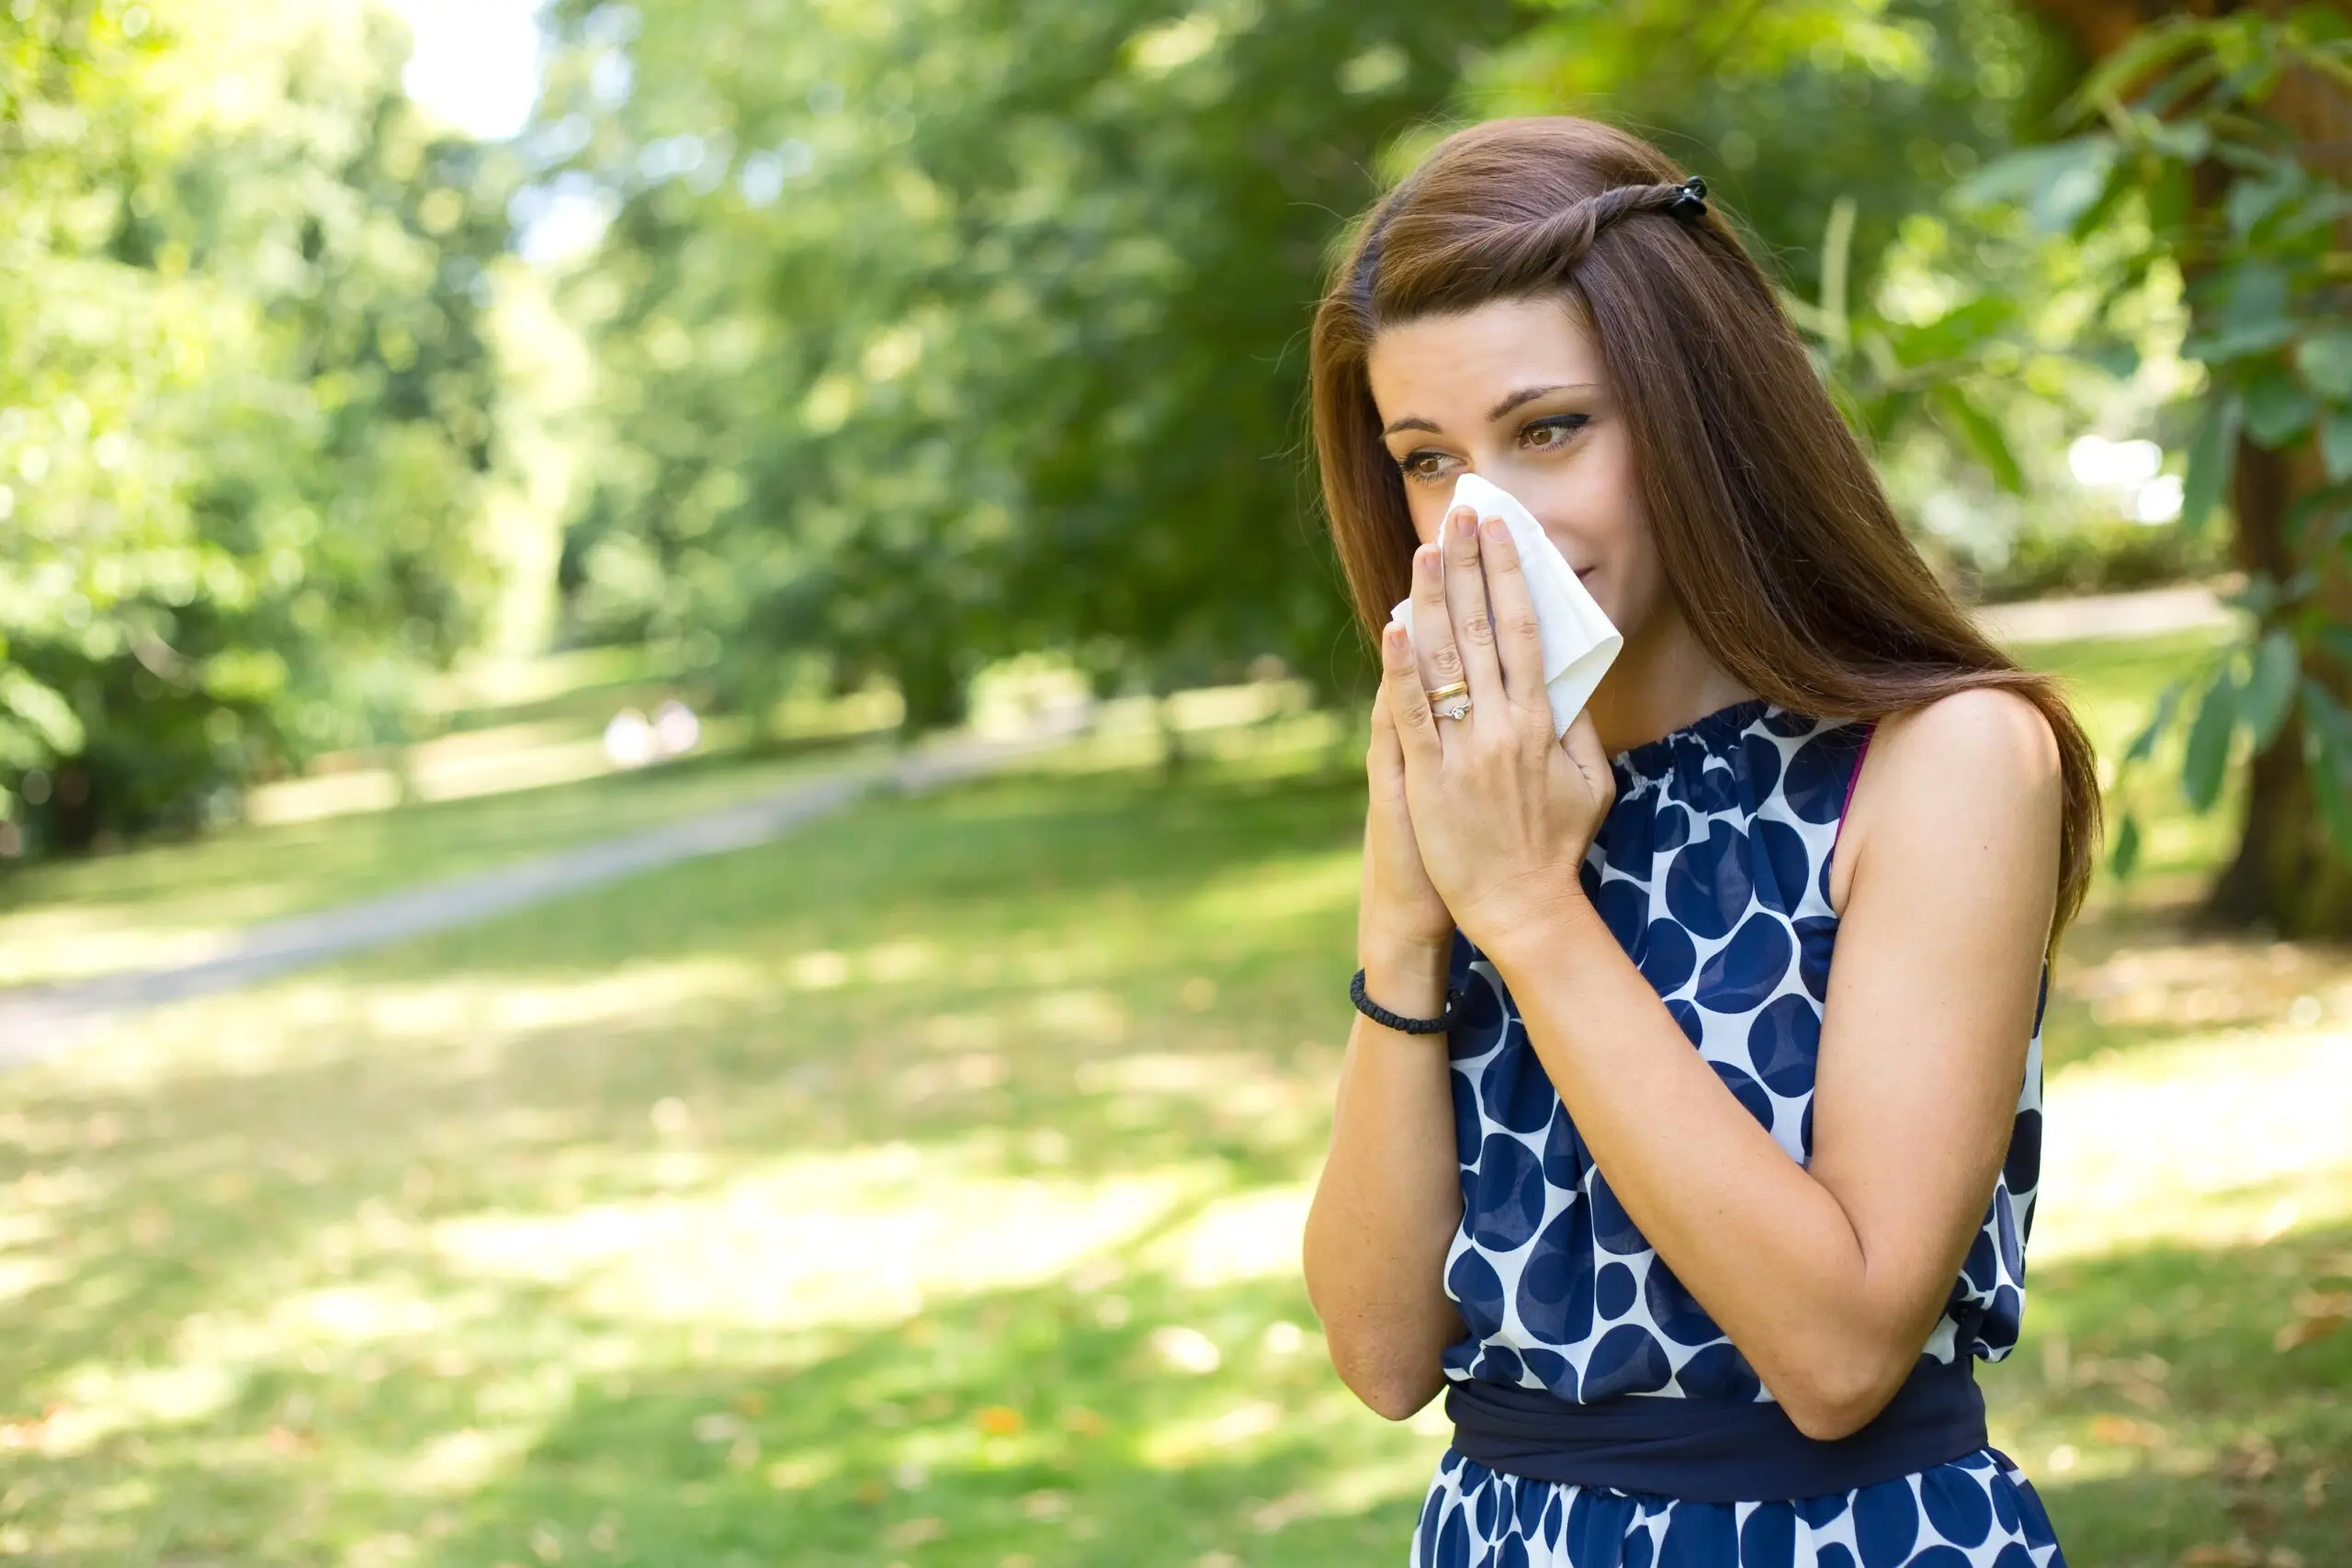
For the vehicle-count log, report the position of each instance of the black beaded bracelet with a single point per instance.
(1454, 997)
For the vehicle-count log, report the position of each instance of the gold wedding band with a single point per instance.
(1450, 701)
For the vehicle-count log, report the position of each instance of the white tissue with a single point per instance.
(1580, 641)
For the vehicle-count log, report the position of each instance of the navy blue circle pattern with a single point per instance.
(1712, 871)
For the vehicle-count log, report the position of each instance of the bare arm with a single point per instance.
(1830, 1278)
(1390, 1194)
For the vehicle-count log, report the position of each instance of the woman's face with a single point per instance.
(1514, 391)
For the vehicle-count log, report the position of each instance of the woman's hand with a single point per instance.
(1400, 906)
(1501, 813)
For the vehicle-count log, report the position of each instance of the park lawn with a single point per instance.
(925, 1187)
(181, 902)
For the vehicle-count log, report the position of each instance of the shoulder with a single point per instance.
(1975, 771)
(1986, 735)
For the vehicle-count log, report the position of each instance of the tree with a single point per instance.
(245, 409)
(2229, 129)
(951, 331)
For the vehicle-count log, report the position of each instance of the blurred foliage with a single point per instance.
(926, 334)
(2099, 556)
(937, 332)
(2188, 143)
(245, 410)
(950, 332)
(1966, 346)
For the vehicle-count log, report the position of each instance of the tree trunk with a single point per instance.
(2285, 877)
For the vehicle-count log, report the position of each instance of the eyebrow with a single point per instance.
(1524, 395)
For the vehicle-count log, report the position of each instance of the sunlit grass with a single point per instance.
(926, 1188)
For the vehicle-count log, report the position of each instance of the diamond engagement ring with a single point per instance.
(1450, 701)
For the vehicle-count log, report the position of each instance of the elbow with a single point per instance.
(1393, 1393)
(1842, 1395)
(1390, 1384)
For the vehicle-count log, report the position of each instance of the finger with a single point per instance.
(1473, 620)
(1408, 703)
(1518, 638)
(1383, 728)
(1439, 661)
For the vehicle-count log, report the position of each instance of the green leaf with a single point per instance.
(2325, 360)
(2259, 594)
(2240, 309)
(2249, 83)
(2324, 758)
(2145, 50)
(2145, 741)
(2326, 769)
(2055, 183)
(2250, 201)
(2116, 182)
(2270, 690)
(2186, 140)
(2072, 185)
(2126, 851)
(2276, 408)
(2210, 452)
(1980, 434)
(2252, 293)
(1956, 333)
(2208, 757)
(2236, 342)
(2336, 444)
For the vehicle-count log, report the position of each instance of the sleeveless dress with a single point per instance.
(1713, 870)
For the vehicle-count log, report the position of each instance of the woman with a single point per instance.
(1715, 1306)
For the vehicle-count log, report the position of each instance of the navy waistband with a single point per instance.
(1714, 1451)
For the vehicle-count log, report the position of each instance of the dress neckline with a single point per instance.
(1712, 731)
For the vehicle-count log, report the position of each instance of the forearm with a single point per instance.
(1390, 1195)
(1766, 1249)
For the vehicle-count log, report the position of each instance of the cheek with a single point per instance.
(1617, 535)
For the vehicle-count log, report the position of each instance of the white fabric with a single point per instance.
(1580, 642)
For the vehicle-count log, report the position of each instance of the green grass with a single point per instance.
(175, 903)
(924, 1189)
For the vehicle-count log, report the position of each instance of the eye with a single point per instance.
(1558, 427)
(1418, 464)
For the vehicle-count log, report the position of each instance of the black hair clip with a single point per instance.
(1690, 198)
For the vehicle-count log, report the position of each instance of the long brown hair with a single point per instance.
(1776, 539)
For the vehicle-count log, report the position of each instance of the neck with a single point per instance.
(1659, 681)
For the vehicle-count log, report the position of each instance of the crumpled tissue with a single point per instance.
(1580, 641)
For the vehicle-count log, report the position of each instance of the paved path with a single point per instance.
(39, 1021)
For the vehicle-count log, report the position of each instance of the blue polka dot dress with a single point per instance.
(1713, 870)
